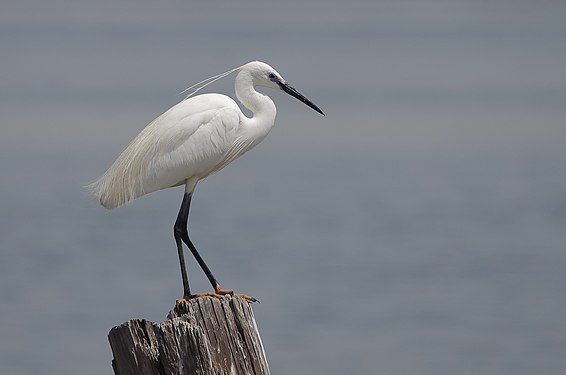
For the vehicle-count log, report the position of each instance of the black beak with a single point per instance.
(291, 91)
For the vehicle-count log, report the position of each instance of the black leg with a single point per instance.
(181, 233)
(178, 229)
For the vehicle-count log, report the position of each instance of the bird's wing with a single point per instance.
(187, 150)
(181, 143)
(239, 147)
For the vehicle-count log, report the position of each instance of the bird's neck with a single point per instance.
(261, 106)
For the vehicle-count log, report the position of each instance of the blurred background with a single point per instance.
(418, 228)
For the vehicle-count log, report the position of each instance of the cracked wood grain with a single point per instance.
(203, 336)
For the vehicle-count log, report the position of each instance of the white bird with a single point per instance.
(189, 142)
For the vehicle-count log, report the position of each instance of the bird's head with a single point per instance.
(264, 75)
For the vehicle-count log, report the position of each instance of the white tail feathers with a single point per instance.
(124, 180)
(108, 192)
(112, 189)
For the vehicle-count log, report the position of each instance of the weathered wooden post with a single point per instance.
(205, 336)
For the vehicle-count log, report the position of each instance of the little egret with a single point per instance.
(189, 142)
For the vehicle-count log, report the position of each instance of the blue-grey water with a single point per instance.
(418, 228)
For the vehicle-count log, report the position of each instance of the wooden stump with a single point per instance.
(202, 336)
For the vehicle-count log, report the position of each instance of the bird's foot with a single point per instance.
(247, 298)
(218, 290)
(193, 296)
(218, 293)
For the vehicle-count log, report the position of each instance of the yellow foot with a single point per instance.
(222, 292)
(247, 298)
(205, 294)
(219, 293)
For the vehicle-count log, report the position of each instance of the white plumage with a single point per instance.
(195, 138)
(190, 141)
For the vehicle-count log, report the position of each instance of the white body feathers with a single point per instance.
(190, 141)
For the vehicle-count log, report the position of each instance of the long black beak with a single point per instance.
(291, 91)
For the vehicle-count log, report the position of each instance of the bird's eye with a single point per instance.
(271, 76)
